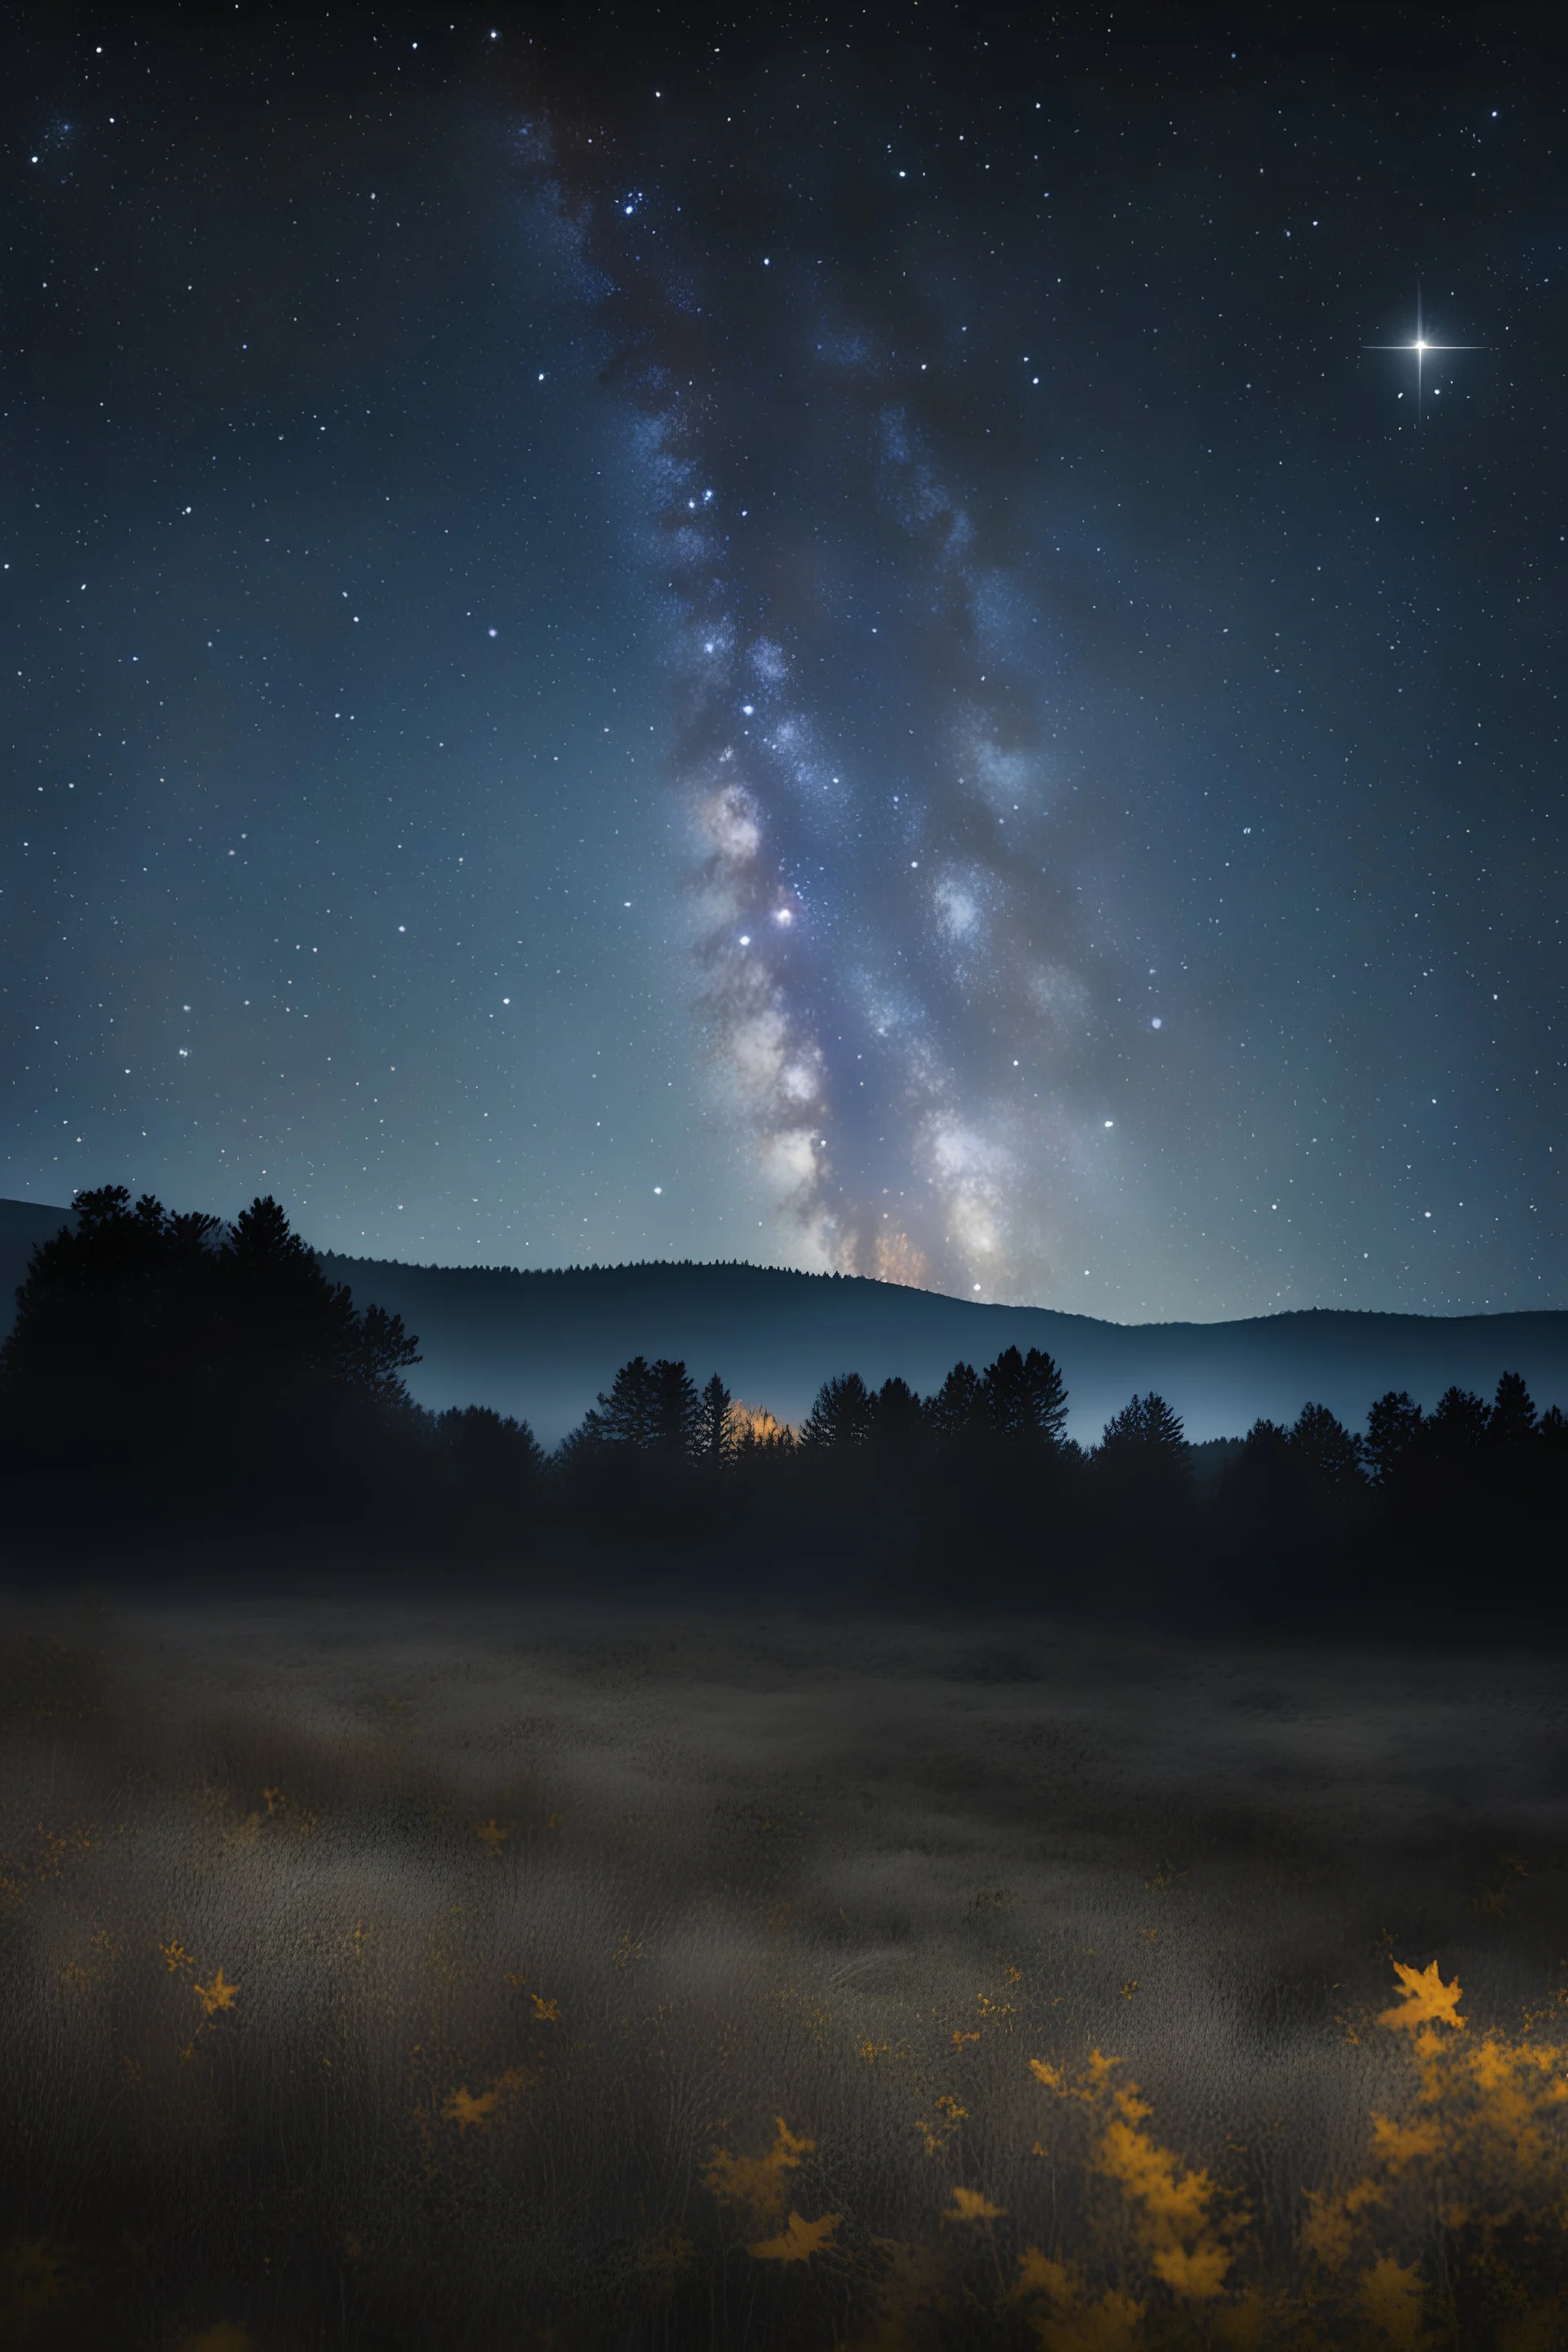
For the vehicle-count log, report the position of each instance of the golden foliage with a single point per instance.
(1328, 2230)
(466, 2111)
(969, 2205)
(226, 2336)
(950, 2119)
(1390, 2297)
(1424, 1999)
(1076, 2320)
(1176, 2202)
(1183, 2231)
(757, 1423)
(219, 1994)
(799, 2241)
(1481, 2152)
(474, 2111)
(1400, 2144)
(491, 1836)
(756, 2184)
(1195, 2273)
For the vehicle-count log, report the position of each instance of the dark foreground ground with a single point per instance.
(411, 1976)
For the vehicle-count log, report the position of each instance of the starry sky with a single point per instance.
(853, 638)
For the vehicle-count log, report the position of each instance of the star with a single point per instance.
(1419, 345)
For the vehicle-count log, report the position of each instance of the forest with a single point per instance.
(171, 1379)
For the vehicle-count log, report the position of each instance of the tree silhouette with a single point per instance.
(496, 1470)
(1025, 1396)
(1266, 1445)
(1140, 1469)
(1327, 1451)
(840, 1416)
(1394, 1426)
(958, 1407)
(483, 1444)
(898, 1417)
(204, 1366)
(1144, 1430)
(159, 1355)
(1252, 1486)
(1511, 1424)
(280, 1304)
(1456, 1430)
(105, 1306)
(715, 1423)
(628, 1414)
(135, 1293)
(650, 1409)
(678, 1412)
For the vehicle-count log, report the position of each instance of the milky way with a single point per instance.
(896, 975)
(839, 640)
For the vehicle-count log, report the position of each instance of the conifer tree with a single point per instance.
(1394, 1426)
(716, 1424)
(841, 1414)
(958, 1406)
(1327, 1450)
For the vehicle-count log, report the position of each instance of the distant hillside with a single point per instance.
(23, 1224)
(541, 1345)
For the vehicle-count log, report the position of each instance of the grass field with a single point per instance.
(494, 1976)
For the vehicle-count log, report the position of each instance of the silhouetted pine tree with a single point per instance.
(678, 1412)
(897, 1418)
(199, 1368)
(1252, 1491)
(628, 1415)
(1511, 1424)
(1139, 1467)
(958, 1408)
(715, 1423)
(650, 1409)
(1327, 1451)
(1455, 1432)
(1394, 1425)
(1025, 1396)
(840, 1416)
(1145, 1430)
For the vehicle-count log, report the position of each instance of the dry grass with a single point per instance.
(500, 1979)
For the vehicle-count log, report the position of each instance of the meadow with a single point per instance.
(491, 1975)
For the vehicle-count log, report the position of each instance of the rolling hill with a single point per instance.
(541, 1344)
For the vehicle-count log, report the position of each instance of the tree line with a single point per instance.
(167, 1372)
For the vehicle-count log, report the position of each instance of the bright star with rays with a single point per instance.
(1419, 346)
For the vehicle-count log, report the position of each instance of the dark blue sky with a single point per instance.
(645, 636)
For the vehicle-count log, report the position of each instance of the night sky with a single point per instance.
(828, 641)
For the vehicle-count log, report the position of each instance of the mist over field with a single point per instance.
(498, 1975)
